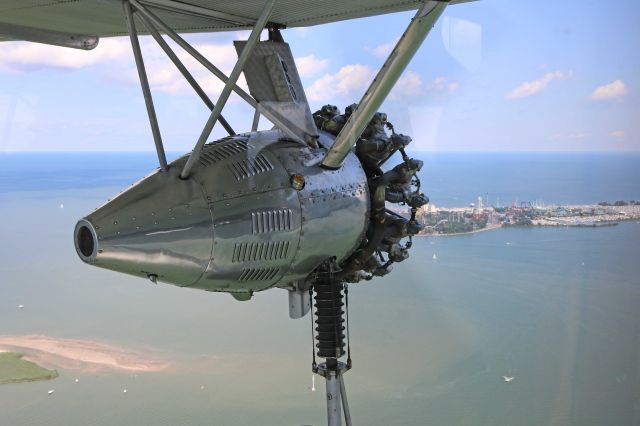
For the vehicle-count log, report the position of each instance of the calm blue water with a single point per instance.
(454, 179)
(450, 179)
(556, 308)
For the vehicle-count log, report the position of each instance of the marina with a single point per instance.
(467, 220)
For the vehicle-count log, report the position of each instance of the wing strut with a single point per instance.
(159, 24)
(256, 120)
(190, 49)
(144, 82)
(56, 38)
(183, 70)
(233, 78)
(384, 81)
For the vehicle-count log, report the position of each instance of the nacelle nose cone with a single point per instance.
(160, 226)
(86, 241)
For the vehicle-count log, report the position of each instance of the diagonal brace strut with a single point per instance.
(183, 70)
(270, 115)
(228, 87)
(144, 82)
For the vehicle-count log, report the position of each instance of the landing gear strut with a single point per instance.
(330, 289)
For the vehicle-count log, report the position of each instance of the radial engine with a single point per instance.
(259, 211)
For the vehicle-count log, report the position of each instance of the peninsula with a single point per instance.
(475, 218)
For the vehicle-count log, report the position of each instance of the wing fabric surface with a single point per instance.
(104, 18)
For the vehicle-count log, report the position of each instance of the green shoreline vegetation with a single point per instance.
(14, 369)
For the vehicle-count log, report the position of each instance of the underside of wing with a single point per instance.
(104, 18)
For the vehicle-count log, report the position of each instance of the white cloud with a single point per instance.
(529, 88)
(611, 91)
(410, 84)
(618, 134)
(350, 80)
(302, 32)
(571, 136)
(165, 77)
(443, 84)
(113, 60)
(310, 65)
(383, 50)
(22, 56)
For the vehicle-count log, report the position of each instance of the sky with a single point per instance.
(493, 75)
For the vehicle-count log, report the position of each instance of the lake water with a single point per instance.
(556, 308)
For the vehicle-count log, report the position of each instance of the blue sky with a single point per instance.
(495, 75)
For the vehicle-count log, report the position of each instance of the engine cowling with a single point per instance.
(237, 224)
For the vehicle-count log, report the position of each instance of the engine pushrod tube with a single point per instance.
(144, 83)
(254, 38)
(183, 70)
(384, 81)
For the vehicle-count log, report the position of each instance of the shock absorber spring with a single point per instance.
(329, 311)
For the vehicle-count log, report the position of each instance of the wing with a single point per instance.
(62, 19)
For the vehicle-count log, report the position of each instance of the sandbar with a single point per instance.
(87, 355)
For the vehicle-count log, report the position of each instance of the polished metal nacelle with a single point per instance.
(257, 211)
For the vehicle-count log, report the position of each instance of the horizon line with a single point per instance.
(417, 151)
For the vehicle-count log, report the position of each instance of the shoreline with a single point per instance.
(549, 224)
(77, 354)
(475, 231)
(575, 216)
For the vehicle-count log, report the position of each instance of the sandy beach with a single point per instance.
(80, 354)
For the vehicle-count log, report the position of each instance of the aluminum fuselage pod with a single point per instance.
(236, 224)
